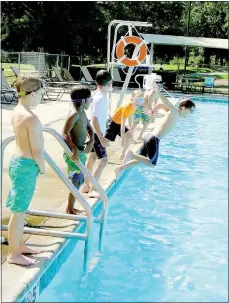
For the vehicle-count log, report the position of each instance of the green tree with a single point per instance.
(56, 27)
(210, 20)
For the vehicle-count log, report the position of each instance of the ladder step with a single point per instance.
(45, 213)
(46, 232)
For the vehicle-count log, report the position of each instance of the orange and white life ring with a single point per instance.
(131, 40)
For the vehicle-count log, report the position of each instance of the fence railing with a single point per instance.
(42, 63)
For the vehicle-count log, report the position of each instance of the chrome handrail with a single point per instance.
(75, 193)
(102, 193)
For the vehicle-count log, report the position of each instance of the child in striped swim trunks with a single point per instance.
(24, 167)
(75, 131)
(145, 102)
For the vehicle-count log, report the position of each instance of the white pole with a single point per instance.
(39, 63)
(127, 80)
(151, 59)
(19, 61)
(69, 63)
(113, 50)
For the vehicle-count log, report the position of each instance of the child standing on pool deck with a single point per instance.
(150, 148)
(74, 134)
(24, 167)
(99, 115)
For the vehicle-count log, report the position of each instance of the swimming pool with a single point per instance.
(167, 232)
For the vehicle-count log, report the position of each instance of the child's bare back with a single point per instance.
(26, 125)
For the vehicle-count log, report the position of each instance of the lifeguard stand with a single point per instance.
(111, 58)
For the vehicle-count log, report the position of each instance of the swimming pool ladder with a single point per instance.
(88, 220)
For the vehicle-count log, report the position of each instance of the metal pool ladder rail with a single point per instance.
(89, 219)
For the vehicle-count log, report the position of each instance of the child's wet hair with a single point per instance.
(189, 104)
(80, 92)
(27, 83)
(103, 77)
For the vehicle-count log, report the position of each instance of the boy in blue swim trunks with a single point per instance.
(149, 150)
(26, 164)
(74, 133)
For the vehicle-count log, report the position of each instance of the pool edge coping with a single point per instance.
(33, 289)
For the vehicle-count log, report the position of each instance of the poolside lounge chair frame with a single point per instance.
(90, 84)
(6, 90)
(52, 91)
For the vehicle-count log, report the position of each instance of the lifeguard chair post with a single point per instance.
(139, 54)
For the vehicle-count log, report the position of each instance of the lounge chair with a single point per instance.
(52, 91)
(117, 78)
(67, 74)
(209, 82)
(87, 76)
(6, 90)
(68, 84)
(71, 79)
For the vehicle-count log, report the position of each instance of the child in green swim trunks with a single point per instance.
(74, 133)
(24, 167)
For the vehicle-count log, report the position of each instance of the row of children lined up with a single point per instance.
(28, 160)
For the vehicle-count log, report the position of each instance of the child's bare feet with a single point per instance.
(121, 157)
(93, 194)
(19, 259)
(28, 250)
(84, 189)
(139, 140)
(134, 141)
(128, 157)
(75, 211)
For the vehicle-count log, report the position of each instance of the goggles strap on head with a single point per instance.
(78, 101)
(22, 94)
(106, 82)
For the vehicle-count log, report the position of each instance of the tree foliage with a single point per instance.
(81, 27)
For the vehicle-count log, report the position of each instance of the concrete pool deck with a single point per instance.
(50, 194)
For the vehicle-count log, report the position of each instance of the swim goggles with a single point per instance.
(81, 101)
(107, 83)
(22, 94)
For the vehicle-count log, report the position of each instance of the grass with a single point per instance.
(194, 72)
(9, 74)
(22, 66)
(32, 221)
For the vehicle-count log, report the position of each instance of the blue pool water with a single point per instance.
(166, 238)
